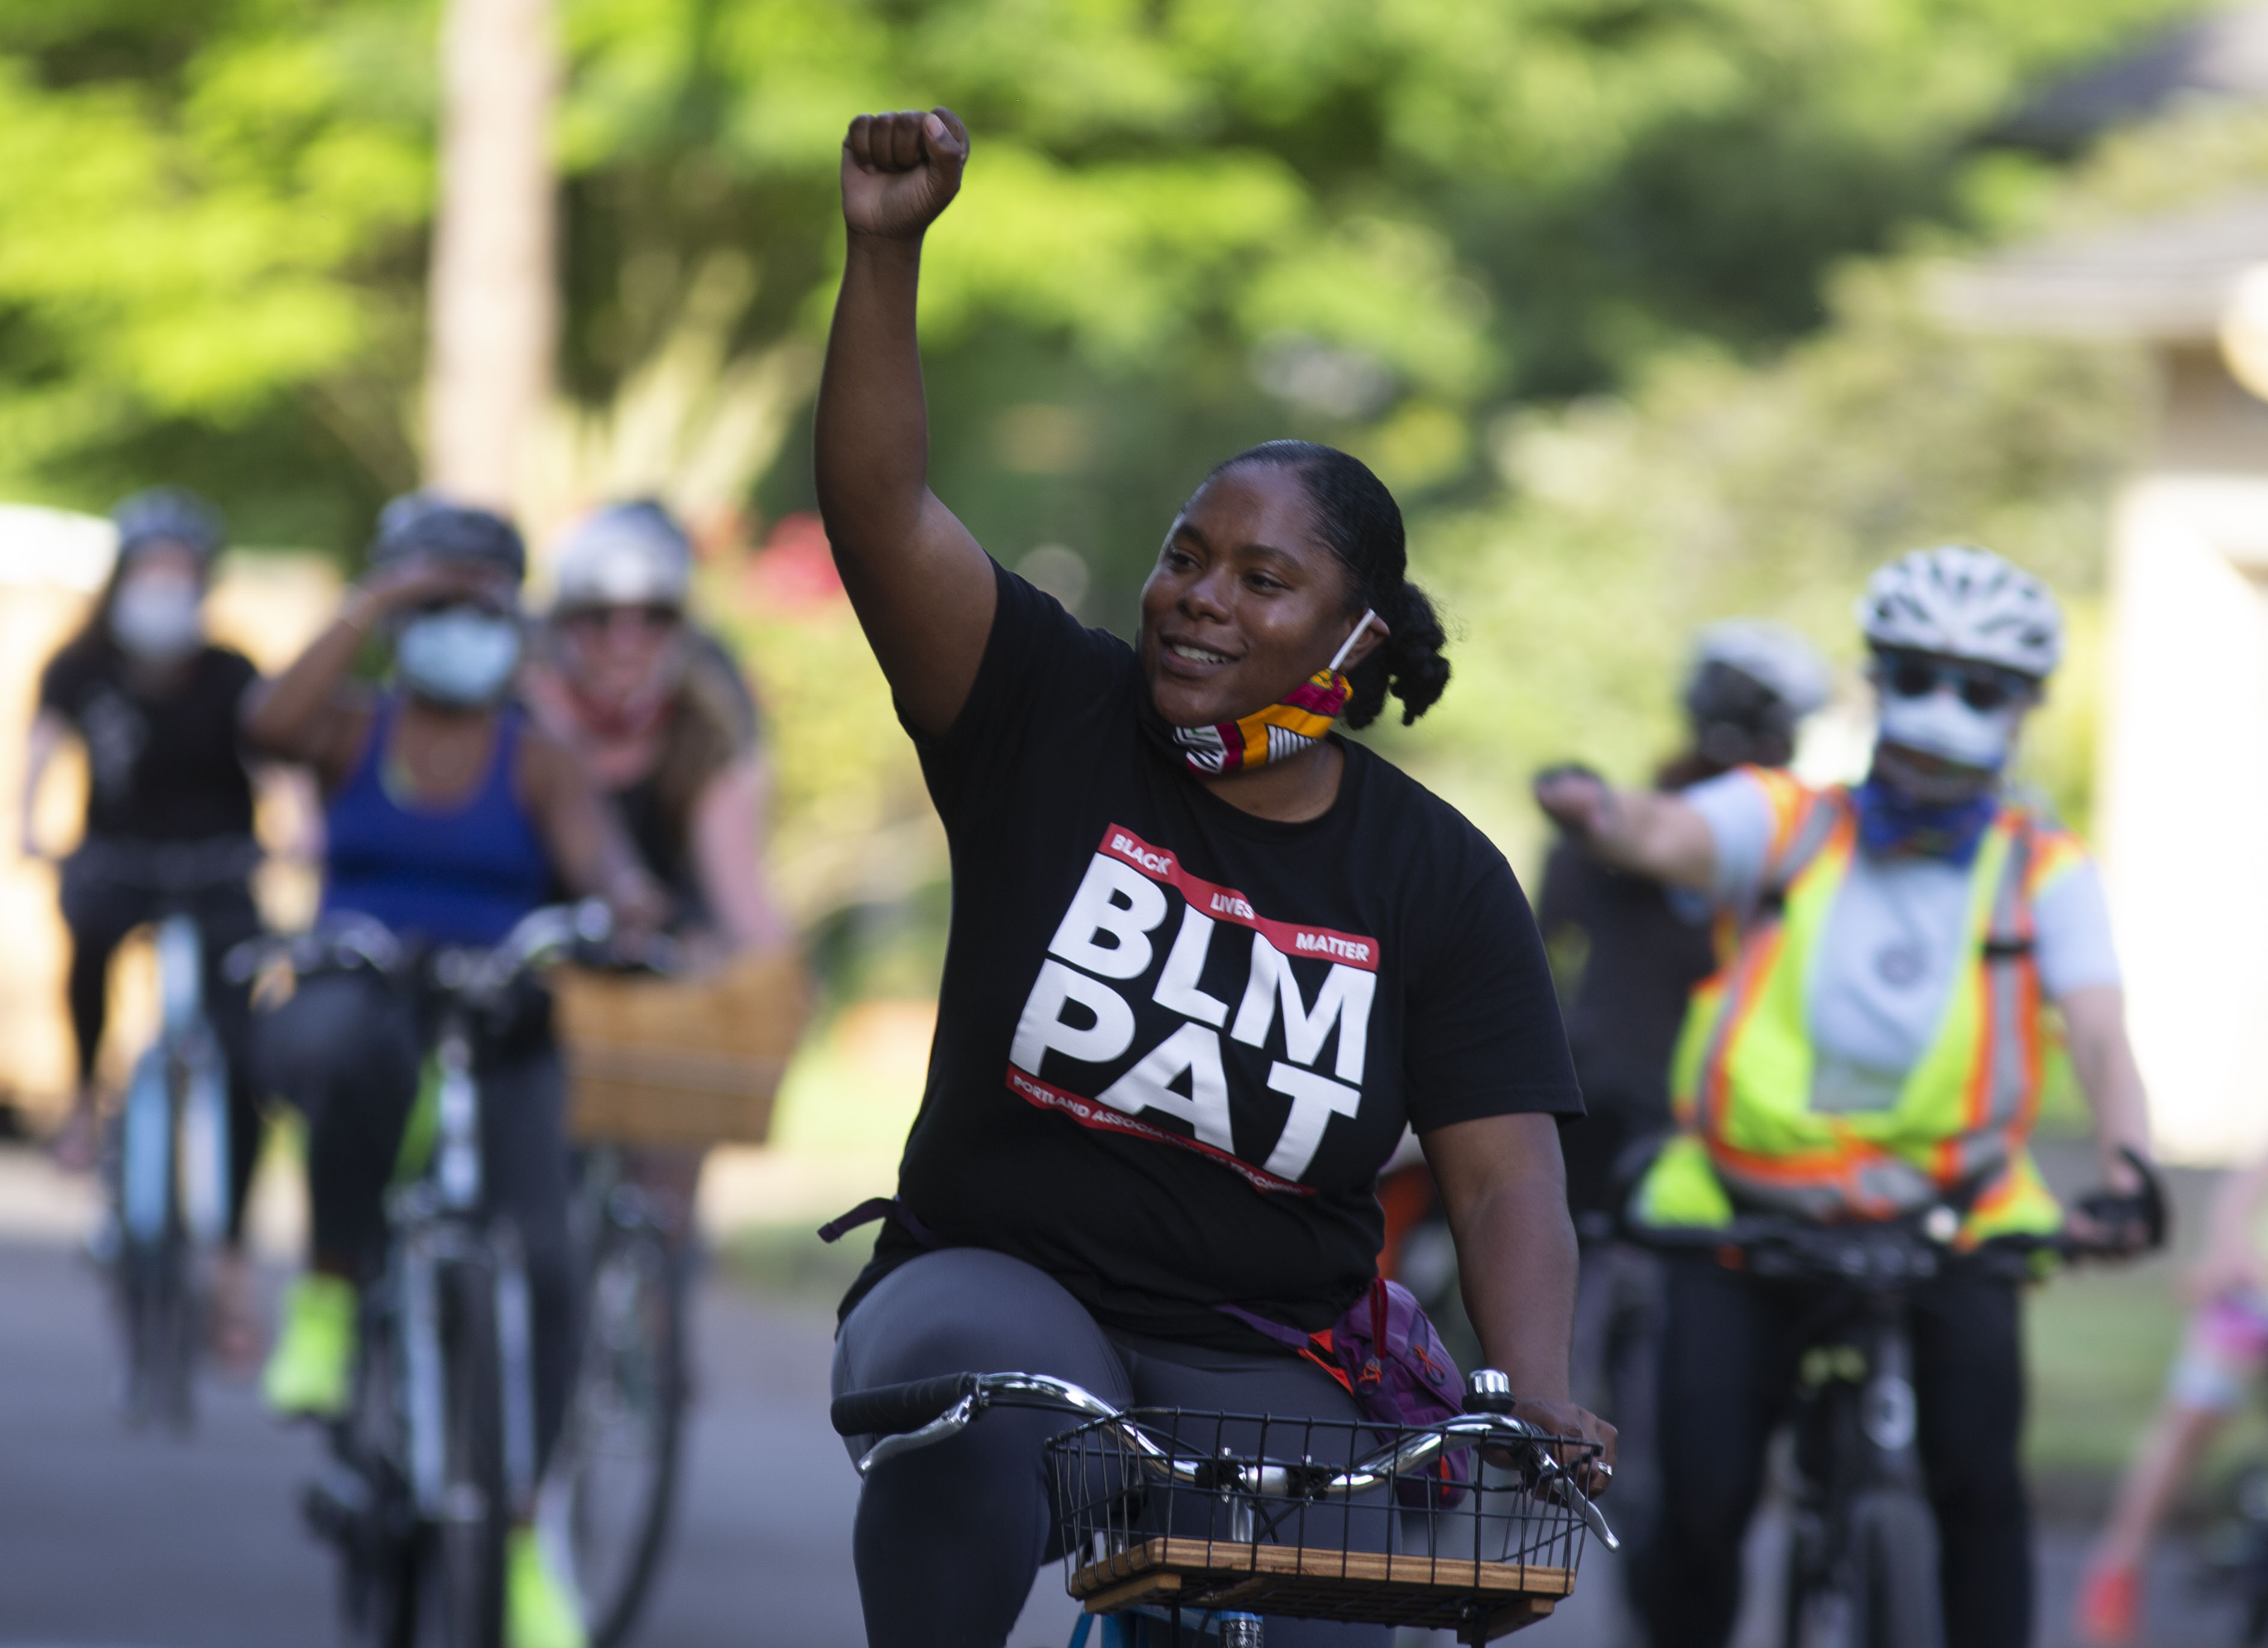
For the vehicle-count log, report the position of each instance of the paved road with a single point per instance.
(113, 1540)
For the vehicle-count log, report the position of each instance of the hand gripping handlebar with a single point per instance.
(921, 1412)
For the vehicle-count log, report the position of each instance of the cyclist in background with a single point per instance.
(1628, 952)
(447, 819)
(157, 707)
(1872, 1049)
(1628, 949)
(661, 719)
(2221, 1358)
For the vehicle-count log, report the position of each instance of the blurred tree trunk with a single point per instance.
(494, 294)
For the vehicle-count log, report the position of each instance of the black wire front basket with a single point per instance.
(1185, 1513)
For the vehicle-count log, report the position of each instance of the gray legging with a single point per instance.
(949, 1537)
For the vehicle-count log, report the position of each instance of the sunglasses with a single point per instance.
(649, 615)
(1982, 687)
(488, 606)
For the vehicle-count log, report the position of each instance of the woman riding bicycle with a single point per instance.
(1207, 960)
(1873, 1049)
(447, 819)
(157, 707)
(659, 717)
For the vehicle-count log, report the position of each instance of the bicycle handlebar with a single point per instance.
(921, 1412)
(554, 933)
(894, 1409)
(1885, 1251)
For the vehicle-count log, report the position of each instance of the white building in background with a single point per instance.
(2181, 782)
(2182, 788)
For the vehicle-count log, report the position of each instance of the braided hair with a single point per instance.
(1357, 518)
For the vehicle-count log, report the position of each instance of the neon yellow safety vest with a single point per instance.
(1742, 1078)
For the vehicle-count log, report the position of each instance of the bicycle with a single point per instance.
(1475, 1523)
(1862, 1565)
(438, 1444)
(166, 1157)
(613, 1480)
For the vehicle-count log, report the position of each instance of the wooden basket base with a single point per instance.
(1479, 1600)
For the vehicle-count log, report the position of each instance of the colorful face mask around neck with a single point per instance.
(1295, 722)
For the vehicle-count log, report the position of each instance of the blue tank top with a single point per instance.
(460, 876)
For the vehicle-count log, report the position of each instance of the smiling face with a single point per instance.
(1245, 602)
(618, 654)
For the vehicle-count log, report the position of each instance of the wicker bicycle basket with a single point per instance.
(1475, 1547)
(653, 1061)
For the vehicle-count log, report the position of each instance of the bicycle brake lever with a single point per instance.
(951, 1423)
(1554, 1479)
(1593, 1519)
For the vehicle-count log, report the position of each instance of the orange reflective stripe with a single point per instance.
(1840, 1169)
(2055, 853)
(1741, 994)
(1788, 800)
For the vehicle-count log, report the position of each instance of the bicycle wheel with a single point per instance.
(363, 1506)
(161, 1319)
(619, 1458)
(461, 1578)
(1893, 1560)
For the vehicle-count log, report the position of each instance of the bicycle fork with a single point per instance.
(175, 1162)
(1887, 1408)
(425, 1253)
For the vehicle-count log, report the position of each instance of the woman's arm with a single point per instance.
(48, 732)
(1506, 1190)
(2094, 1024)
(2231, 1258)
(1640, 830)
(922, 590)
(302, 715)
(588, 846)
(730, 821)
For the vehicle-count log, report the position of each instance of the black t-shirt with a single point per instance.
(1641, 960)
(1175, 1042)
(167, 768)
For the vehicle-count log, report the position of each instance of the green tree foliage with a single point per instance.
(1716, 486)
(202, 246)
(1190, 222)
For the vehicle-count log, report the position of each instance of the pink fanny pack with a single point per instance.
(1385, 1352)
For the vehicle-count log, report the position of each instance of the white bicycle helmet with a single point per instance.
(1772, 655)
(625, 555)
(1964, 602)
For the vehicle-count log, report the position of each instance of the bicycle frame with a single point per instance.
(437, 1222)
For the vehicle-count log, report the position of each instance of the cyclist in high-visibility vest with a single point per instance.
(1873, 1046)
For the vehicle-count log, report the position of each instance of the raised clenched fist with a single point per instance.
(900, 170)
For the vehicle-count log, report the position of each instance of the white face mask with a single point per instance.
(463, 656)
(1940, 723)
(157, 616)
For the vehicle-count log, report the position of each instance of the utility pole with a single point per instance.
(493, 300)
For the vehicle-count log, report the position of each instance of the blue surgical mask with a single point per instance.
(1938, 722)
(155, 616)
(461, 655)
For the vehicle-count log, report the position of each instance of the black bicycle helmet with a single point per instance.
(170, 515)
(427, 524)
